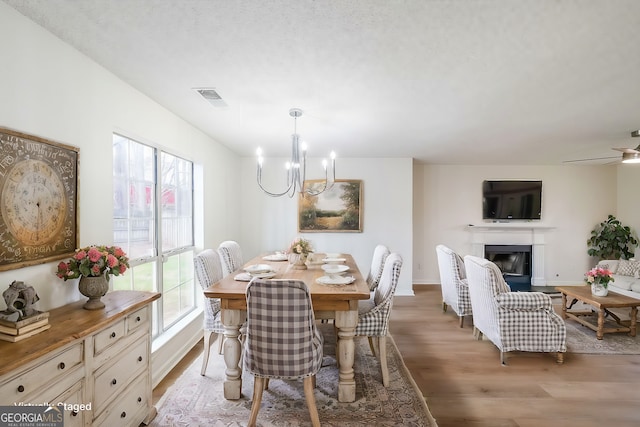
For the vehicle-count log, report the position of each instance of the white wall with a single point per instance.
(575, 198)
(50, 90)
(271, 223)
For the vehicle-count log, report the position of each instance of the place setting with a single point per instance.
(334, 270)
(277, 256)
(261, 271)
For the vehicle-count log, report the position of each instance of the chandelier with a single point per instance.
(297, 166)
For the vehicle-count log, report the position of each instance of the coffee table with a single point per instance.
(602, 305)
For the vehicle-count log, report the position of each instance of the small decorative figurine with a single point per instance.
(19, 299)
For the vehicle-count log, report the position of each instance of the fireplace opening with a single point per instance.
(514, 261)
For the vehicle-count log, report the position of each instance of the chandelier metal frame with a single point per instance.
(297, 166)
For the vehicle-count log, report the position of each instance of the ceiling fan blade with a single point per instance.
(627, 150)
(588, 160)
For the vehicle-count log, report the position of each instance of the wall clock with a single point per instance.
(38, 200)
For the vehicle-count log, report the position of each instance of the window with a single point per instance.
(153, 222)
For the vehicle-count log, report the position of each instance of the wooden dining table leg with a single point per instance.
(232, 320)
(346, 322)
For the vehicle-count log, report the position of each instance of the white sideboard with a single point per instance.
(100, 359)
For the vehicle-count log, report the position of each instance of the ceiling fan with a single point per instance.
(629, 155)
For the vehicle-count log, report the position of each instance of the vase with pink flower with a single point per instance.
(94, 265)
(599, 279)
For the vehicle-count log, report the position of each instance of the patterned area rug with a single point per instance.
(196, 400)
(581, 339)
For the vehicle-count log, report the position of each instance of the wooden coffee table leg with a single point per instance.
(564, 305)
(600, 331)
(633, 320)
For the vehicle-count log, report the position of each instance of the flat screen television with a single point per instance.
(507, 200)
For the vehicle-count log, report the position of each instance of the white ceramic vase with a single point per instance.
(599, 290)
(298, 261)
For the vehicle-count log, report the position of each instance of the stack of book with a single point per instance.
(24, 328)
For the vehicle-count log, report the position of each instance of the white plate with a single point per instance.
(258, 268)
(276, 257)
(267, 275)
(335, 280)
(334, 268)
(246, 277)
(334, 260)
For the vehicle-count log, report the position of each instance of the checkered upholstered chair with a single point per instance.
(513, 321)
(231, 256)
(209, 271)
(380, 254)
(282, 340)
(453, 282)
(374, 313)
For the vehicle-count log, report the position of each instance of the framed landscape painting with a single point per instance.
(337, 210)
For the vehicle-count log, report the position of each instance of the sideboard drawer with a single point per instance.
(114, 378)
(137, 319)
(108, 337)
(130, 409)
(30, 381)
(71, 397)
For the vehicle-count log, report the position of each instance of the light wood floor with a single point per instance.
(465, 384)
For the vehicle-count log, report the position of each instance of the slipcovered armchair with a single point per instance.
(513, 321)
(374, 313)
(453, 282)
(231, 256)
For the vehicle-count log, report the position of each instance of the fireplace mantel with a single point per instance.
(513, 234)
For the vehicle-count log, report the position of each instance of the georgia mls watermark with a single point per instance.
(40, 415)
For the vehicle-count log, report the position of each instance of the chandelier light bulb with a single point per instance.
(287, 165)
(324, 164)
(303, 146)
(333, 155)
(259, 152)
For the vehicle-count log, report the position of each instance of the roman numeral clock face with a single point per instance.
(38, 200)
(33, 202)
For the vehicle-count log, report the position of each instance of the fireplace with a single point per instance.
(515, 263)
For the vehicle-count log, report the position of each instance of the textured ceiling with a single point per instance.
(464, 82)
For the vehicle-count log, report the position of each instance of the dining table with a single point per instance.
(330, 301)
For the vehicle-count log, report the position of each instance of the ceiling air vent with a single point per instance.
(211, 96)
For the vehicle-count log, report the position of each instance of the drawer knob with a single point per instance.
(123, 415)
(61, 365)
(139, 399)
(20, 388)
(138, 319)
(74, 413)
(139, 358)
(113, 334)
(113, 381)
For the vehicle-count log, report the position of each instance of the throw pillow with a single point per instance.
(627, 268)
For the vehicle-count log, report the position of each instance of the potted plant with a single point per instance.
(298, 251)
(599, 279)
(94, 265)
(612, 240)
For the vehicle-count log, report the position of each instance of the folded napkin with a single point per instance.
(243, 277)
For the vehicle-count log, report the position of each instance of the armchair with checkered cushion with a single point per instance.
(374, 313)
(513, 321)
(282, 340)
(209, 271)
(380, 254)
(453, 282)
(231, 256)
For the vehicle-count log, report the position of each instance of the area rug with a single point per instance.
(581, 339)
(196, 400)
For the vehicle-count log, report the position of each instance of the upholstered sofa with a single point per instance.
(626, 275)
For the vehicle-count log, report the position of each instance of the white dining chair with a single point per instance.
(380, 254)
(374, 313)
(231, 256)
